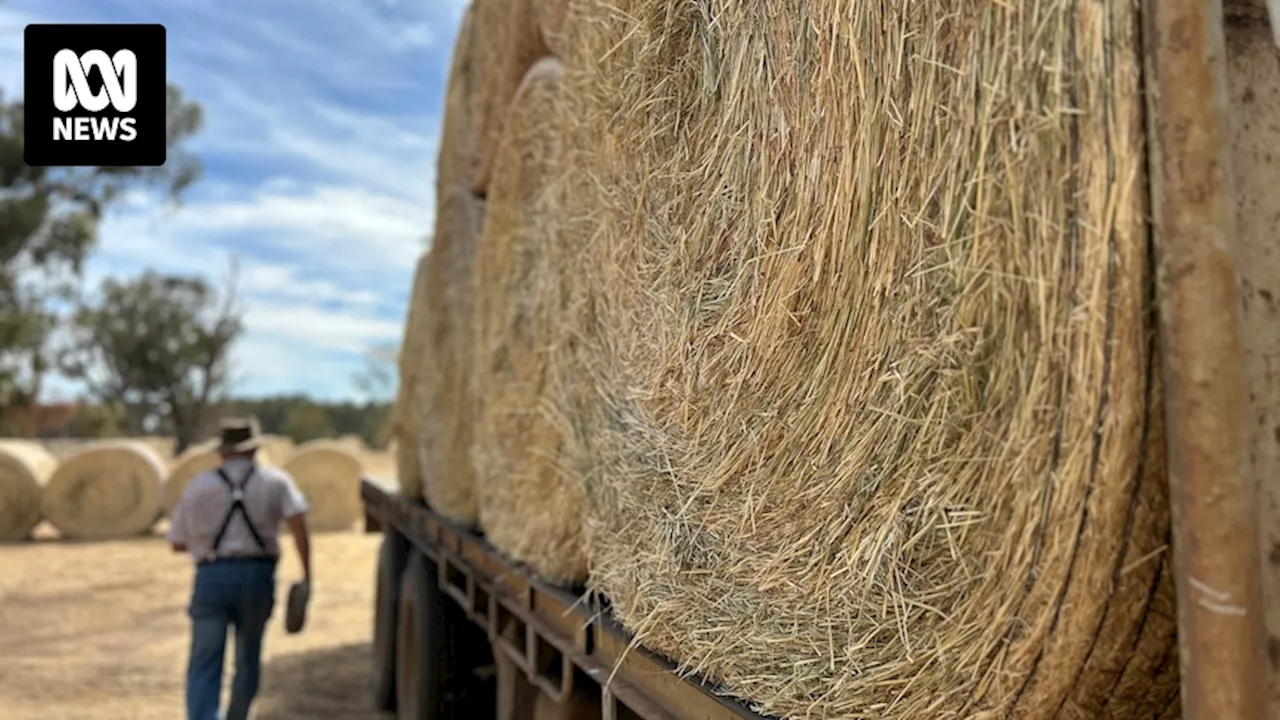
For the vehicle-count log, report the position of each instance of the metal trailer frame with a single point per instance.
(546, 633)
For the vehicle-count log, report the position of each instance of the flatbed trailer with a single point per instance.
(461, 628)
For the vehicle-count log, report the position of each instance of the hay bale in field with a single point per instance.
(107, 490)
(405, 413)
(277, 447)
(529, 507)
(328, 474)
(25, 467)
(192, 462)
(876, 426)
(507, 42)
(551, 16)
(458, 164)
(444, 400)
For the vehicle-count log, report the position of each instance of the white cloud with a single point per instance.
(320, 143)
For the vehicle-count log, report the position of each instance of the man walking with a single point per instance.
(228, 520)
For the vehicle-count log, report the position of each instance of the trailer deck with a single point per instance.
(556, 639)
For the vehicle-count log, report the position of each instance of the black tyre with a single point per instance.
(386, 610)
(420, 650)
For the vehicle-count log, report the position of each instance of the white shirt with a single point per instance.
(270, 496)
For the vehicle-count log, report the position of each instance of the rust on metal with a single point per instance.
(1212, 496)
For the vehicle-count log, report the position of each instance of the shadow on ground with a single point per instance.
(331, 683)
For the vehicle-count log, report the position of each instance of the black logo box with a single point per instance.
(41, 42)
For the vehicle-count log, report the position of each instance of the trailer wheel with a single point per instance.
(420, 645)
(386, 610)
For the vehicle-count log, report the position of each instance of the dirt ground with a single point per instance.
(99, 630)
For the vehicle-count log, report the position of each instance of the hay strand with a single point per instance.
(444, 401)
(328, 474)
(529, 508)
(876, 428)
(107, 490)
(507, 43)
(25, 468)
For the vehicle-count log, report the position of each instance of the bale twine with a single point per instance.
(876, 426)
(25, 467)
(328, 474)
(458, 164)
(551, 16)
(405, 412)
(507, 43)
(108, 490)
(529, 508)
(444, 401)
(196, 460)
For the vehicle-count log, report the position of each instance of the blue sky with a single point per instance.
(322, 120)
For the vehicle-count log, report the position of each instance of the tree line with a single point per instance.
(153, 351)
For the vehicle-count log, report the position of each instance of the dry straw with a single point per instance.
(459, 162)
(507, 43)
(445, 402)
(328, 474)
(107, 490)
(405, 414)
(194, 461)
(877, 428)
(551, 16)
(529, 508)
(25, 467)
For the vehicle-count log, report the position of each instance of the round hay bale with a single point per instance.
(277, 447)
(458, 164)
(507, 41)
(192, 462)
(328, 474)
(108, 490)
(551, 16)
(405, 413)
(25, 467)
(876, 425)
(529, 508)
(444, 394)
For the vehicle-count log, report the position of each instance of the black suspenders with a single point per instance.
(237, 504)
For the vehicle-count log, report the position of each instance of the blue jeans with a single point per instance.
(237, 593)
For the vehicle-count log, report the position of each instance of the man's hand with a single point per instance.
(178, 547)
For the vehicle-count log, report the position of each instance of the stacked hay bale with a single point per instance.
(458, 165)
(25, 468)
(529, 507)
(107, 490)
(507, 43)
(445, 399)
(328, 474)
(406, 411)
(195, 460)
(875, 429)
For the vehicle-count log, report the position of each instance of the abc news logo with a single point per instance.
(94, 95)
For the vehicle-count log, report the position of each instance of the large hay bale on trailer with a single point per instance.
(406, 412)
(551, 16)
(107, 490)
(459, 160)
(530, 508)
(507, 42)
(877, 423)
(195, 460)
(328, 474)
(25, 468)
(445, 398)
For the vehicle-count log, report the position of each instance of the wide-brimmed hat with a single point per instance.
(238, 435)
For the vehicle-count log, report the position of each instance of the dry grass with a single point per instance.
(551, 16)
(529, 507)
(444, 398)
(507, 43)
(406, 412)
(101, 631)
(877, 431)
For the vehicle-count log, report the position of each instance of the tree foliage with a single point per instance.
(48, 222)
(158, 346)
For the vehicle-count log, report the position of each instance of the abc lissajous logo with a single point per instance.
(94, 95)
